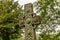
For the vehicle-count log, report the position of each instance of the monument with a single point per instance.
(28, 13)
(30, 20)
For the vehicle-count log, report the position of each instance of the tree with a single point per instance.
(9, 18)
(49, 13)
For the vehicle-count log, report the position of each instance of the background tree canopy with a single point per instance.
(49, 13)
(9, 13)
(9, 19)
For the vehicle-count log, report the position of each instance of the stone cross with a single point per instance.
(29, 31)
(30, 21)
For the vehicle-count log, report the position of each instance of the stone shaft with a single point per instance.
(29, 30)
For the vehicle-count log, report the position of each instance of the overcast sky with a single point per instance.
(22, 2)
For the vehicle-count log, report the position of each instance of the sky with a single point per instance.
(22, 2)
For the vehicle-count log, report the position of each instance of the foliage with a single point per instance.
(9, 18)
(9, 12)
(50, 36)
(49, 13)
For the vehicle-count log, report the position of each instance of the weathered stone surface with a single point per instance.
(29, 31)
